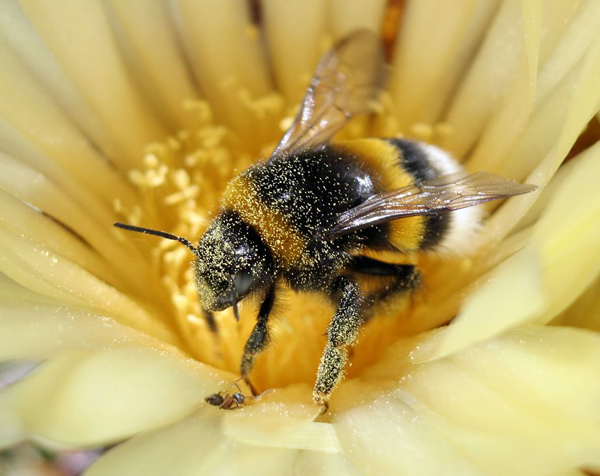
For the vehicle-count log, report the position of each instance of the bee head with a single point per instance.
(232, 263)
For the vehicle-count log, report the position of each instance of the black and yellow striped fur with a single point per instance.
(274, 221)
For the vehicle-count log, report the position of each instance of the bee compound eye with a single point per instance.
(243, 282)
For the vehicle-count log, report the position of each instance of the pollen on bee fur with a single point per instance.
(304, 220)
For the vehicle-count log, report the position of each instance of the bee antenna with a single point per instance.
(162, 234)
(234, 299)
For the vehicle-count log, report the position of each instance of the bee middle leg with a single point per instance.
(258, 339)
(342, 332)
(350, 316)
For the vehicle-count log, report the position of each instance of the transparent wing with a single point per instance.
(442, 194)
(345, 84)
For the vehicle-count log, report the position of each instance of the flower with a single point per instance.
(94, 129)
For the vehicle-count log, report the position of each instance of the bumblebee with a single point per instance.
(308, 216)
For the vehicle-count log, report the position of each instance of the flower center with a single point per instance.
(180, 186)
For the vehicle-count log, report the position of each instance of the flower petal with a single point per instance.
(37, 269)
(485, 83)
(35, 327)
(540, 281)
(547, 138)
(585, 312)
(349, 15)
(284, 420)
(90, 399)
(436, 42)
(514, 111)
(294, 51)
(26, 221)
(160, 71)
(88, 223)
(262, 438)
(94, 60)
(12, 430)
(312, 463)
(569, 251)
(228, 60)
(194, 446)
(488, 312)
(36, 129)
(524, 404)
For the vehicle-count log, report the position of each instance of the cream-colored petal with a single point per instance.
(487, 79)
(568, 233)
(91, 224)
(228, 60)
(294, 30)
(283, 420)
(38, 269)
(536, 210)
(160, 71)
(511, 294)
(312, 463)
(349, 15)
(526, 403)
(195, 446)
(557, 122)
(95, 67)
(512, 114)
(577, 24)
(537, 283)
(262, 438)
(552, 131)
(35, 129)
(84, 399)
(22, 219)
(387, 436)
(585, 312)
(435, 44)
(551, 369)
(37, 327)
(556, 34)
(12, 430)
(23, 39)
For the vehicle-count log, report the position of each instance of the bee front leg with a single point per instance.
(258, 338)
(342, 332)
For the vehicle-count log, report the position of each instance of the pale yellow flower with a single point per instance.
(142, 110)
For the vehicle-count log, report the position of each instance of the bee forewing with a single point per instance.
(345, 83)
(442, 194)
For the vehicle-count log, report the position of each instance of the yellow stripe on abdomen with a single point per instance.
(381, 159)
(383, 162)
(406, 234)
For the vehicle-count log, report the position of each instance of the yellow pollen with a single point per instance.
(285, 243)
(180, 183)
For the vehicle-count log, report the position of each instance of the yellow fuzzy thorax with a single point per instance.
(241, 196)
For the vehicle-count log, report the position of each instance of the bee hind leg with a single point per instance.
(405, 276)
(342, 332)
(258, 339)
